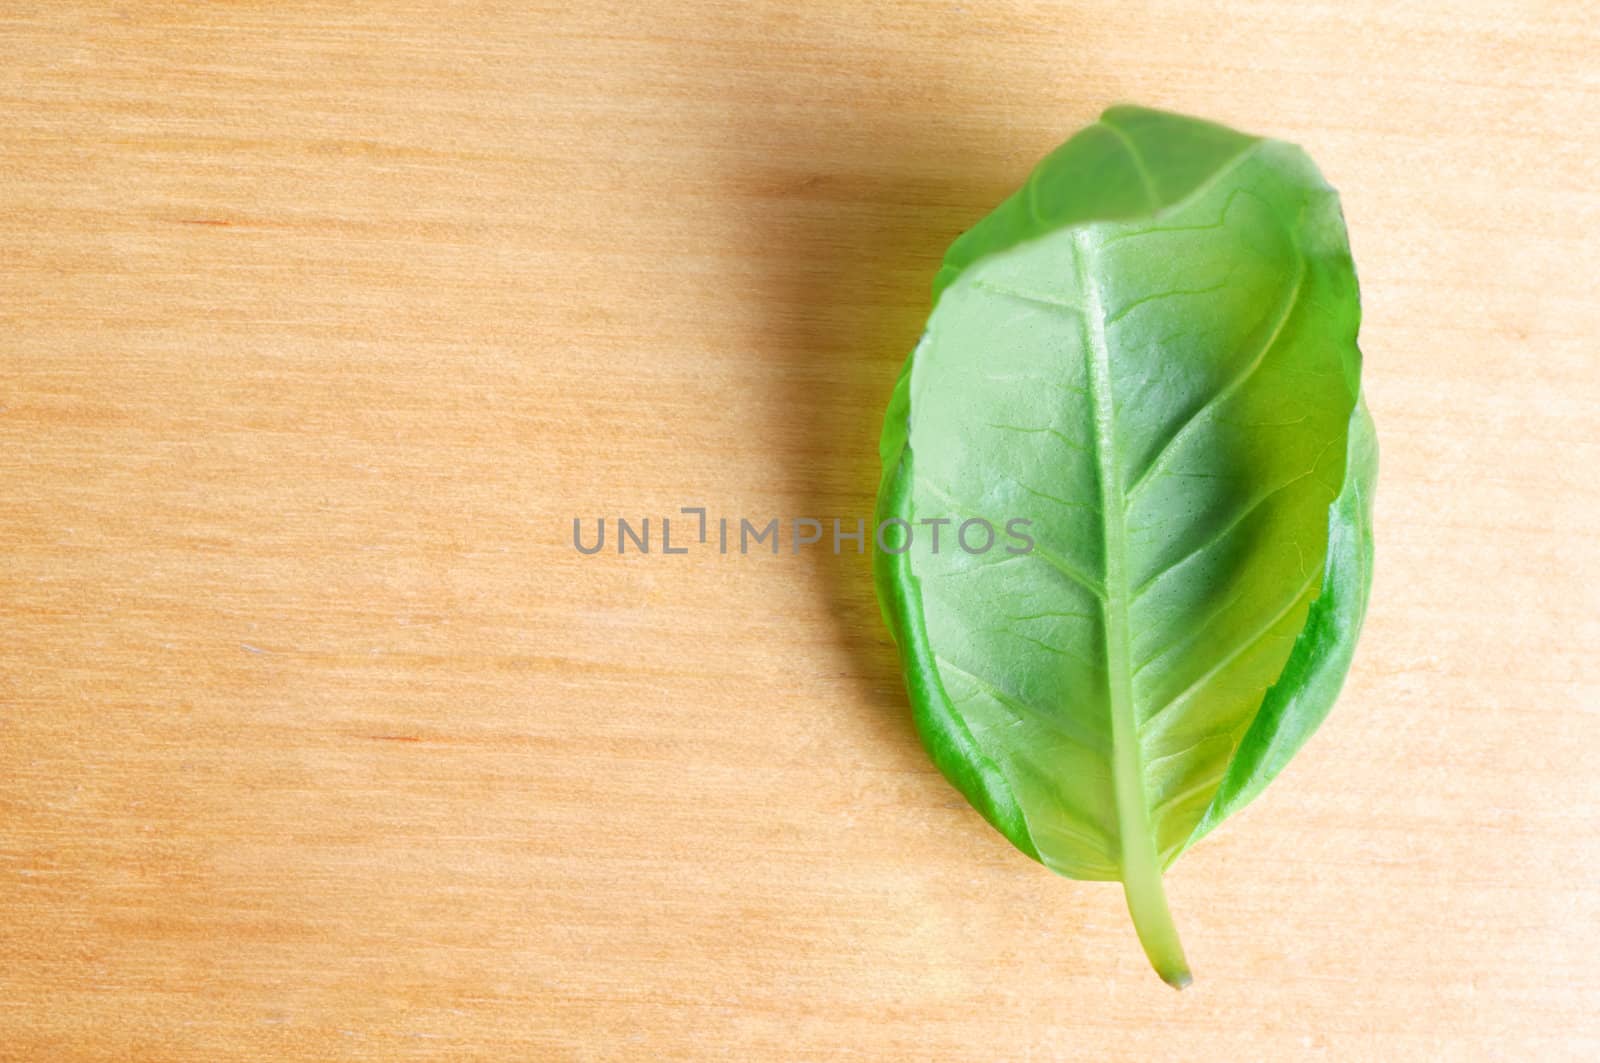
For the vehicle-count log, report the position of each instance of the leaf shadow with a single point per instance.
(851, 224)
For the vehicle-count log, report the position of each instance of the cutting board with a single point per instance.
(319, 739)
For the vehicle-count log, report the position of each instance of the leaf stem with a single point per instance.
(1141, 865)
(1147, 904)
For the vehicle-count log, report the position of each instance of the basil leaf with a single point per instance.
(1148, 353)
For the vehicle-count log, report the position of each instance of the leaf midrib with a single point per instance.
(1139, 859)
(1132, 810)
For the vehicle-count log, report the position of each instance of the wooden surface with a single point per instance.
(319, 322)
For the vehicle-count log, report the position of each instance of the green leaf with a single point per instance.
(1148, 354)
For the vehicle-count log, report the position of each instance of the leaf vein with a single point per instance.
(1070, 444)
(1170, 294)
(1024, 297)
(1145, 177)
(1078, 736)
(1238, 651)
(1216, 538)
(1238, 381)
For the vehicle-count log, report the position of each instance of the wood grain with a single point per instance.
(319, 322)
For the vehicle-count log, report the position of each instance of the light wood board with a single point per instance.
(319, 322)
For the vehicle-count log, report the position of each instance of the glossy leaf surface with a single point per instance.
(1149, 353)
